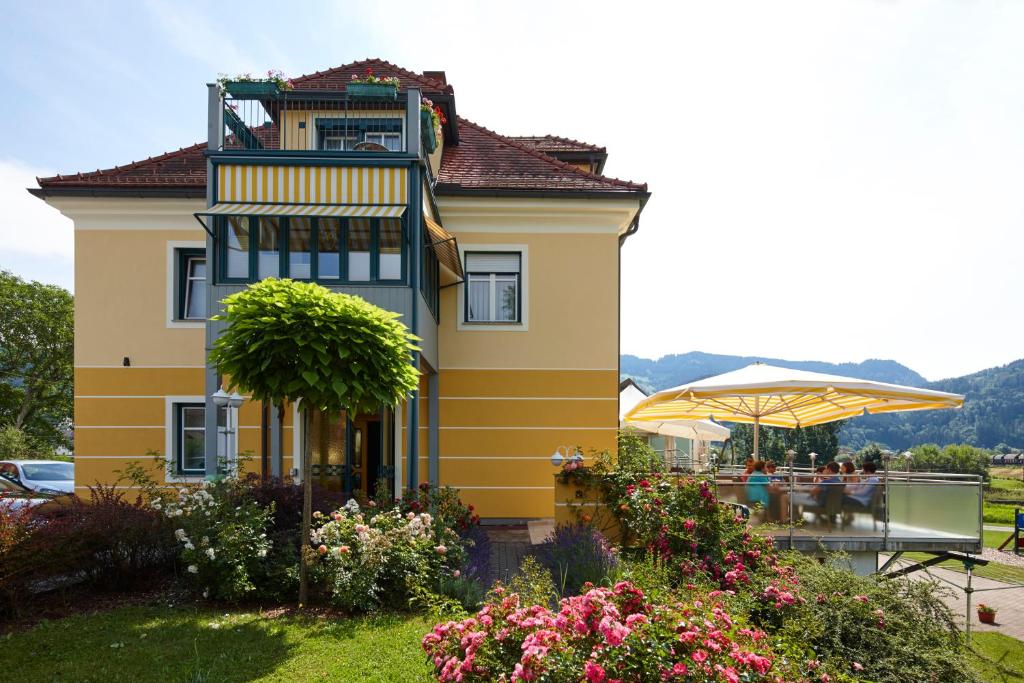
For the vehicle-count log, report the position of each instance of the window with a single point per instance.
(344, 134)
(191, 283)
(330, 250)
(493, 287)
(190, 438)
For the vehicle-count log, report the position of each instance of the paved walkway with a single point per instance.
(508, 545)
(1006, 598)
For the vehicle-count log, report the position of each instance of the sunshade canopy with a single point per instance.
(781, 397)
(350, 210)
(697, 430)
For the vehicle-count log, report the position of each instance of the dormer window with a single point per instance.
(351, 133)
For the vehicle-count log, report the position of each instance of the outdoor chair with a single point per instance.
(832, 506)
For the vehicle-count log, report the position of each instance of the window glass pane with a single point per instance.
(268, 262)
(193, 417)
(392, 141)
(197, 268)
(193, 450)
(328, 262)
(300, 232)
(238, 246)
(359, 249)
(479, 298)
(505, 296)
(194, 305)
(389, 239)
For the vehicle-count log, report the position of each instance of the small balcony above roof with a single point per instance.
(258, 118)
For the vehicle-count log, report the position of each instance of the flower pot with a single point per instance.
(987, 617)
(372, 91)
(252, 88)
(427, 131)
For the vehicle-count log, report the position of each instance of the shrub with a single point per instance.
(532, 583)
(603, 635)
(576, 554)
(222, 536)
(889, 630)
(374, 559)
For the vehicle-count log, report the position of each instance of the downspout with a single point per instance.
(415, 214)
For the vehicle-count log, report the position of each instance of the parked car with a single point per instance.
(44, 476)
(15, 496)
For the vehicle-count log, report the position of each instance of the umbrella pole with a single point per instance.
(757, 424)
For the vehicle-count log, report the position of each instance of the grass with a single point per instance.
(999, 514)
(997, 658)
(994, 571)
(1007, 484)
(201, 645)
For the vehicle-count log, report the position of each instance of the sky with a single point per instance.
(831, 180)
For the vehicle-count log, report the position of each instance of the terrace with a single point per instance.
(908, 511)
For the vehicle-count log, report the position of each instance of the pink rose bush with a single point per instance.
(603, 636)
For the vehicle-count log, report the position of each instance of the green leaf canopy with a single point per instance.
(288, 340)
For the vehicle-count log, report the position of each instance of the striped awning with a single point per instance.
(351, 210)
(444, 245)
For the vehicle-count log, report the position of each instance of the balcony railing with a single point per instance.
(325, 122)
(902, 511)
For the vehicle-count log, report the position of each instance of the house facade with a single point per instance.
(500, 253)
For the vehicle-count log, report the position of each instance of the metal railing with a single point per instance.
(322, 121)
(888, 509)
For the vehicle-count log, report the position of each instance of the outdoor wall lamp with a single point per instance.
(231, 402)
(563, 453)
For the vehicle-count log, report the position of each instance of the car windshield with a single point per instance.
(48, 471)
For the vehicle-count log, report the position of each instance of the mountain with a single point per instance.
(993, 412)
(670, 371)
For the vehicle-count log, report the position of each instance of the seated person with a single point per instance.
(747, 469)
(849, 472)
(819, 492)
(757, 485)
(770, 469)
(861, 494)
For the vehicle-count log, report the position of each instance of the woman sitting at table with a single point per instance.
(747, 469)
(849, 472)
(757, 485)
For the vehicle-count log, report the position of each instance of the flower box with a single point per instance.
(986, 615)
(372, 91)
(250, 88)
(427, 131)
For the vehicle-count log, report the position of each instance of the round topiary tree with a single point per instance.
(298, 342)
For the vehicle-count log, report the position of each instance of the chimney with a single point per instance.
(436, 76)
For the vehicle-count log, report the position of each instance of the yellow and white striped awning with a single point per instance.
(264, 183)
(780, 397)
(349, 211)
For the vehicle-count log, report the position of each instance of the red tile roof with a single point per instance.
(484, 161)
(555, 143)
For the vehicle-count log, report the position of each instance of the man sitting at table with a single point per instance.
(817, 494)
(861, 495)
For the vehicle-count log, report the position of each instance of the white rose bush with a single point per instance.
(222, 538)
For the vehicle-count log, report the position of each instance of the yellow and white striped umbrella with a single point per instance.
(780, 397)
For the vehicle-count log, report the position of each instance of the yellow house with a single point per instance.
(501, 253)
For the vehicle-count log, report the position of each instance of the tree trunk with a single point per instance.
(306, 551)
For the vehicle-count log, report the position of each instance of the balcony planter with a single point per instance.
(986, 614)
(251, 88)
(372, 91)
(427, 131)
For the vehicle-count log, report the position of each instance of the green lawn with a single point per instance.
(203, 645)
(999, 514)
(998, 572)
(997, 658)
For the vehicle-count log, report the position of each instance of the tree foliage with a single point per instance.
(773, 442)
(36, 360)
(288, 341)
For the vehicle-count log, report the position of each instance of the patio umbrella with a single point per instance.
(780, 397)
(695, 430)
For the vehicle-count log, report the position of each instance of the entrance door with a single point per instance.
(351, 456)
(366, 454)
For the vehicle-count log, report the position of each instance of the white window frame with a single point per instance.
(524, 290)
(173, 246)
(382, 136)
(189, 260)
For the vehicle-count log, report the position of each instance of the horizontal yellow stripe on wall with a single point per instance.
(532, 442)
(529, 383)
(119, 411)
(139, 382)
(524, 413)
(510, 503)
(461, 473)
